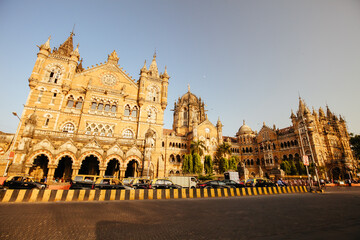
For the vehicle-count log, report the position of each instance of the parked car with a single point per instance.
(251, 182)
(264, 183)
(163, 184)
(83, 181)
(21, 182)
(140, 183)
(213, 184)
(233, 184)
(109, 183)
(128, 181)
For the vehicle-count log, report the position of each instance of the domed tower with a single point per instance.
(188, 110)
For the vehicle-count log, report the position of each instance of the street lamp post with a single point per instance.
(12, 145)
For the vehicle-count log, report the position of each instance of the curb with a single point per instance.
(48, 195)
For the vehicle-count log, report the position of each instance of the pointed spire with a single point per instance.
(188, 87)
(165, 74)
(76, 51)
(144, 68)
(321, 112)
(67, 47)
(153, 67)
(328, 112)
(292, 114)
(46, 45)
(301, 106)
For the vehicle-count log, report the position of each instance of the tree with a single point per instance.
(197, 147)
(198, 167)
(293, 170)
(187, 166)
(208, 164)
(222, 150)
(223, 165)
(285, 166)
(233, 162)
(355, 145)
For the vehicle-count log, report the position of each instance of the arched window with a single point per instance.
(152, 94)
(70, 102)
(178, 159)
(53, 98)
(79, 103)
(172, 158)
(127, 110)
(113, 108)
(107, 107)
(93, 105)
(54, 75)
(252, 162)
(134, 112)
(128, 134)
(40, 95)
(68, 127)
(100, 106)
(151, 115)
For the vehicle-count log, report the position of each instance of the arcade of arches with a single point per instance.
(90, 165)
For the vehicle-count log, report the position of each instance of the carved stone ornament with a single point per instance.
(108, 80)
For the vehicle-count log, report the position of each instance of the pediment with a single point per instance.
(115, 149)
(93, 144)
(68, 146)
(133, 152)
(44, 144)
(206, 123)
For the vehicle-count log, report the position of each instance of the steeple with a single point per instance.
(144, 68)
(328, 112)
(321, 112)
(301, 106)
(153, 67)
(67, 47)
(46, 45)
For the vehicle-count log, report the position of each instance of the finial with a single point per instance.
(154, 54)
(188, 87)
(72, 32)
(244, 122)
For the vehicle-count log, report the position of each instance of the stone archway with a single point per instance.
(113, 168)
(132, 169)
(336, 173)
(90, 166)
(64, 169)
(39, 169)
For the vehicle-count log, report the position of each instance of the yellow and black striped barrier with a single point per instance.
(16, 196)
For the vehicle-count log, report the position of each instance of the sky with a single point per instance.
(247, 60)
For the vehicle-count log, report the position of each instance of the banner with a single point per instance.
(306, 160)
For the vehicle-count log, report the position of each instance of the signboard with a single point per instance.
(306, 160)
(11, 155)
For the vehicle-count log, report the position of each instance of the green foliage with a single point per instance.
(197, 166)
(222, 150)
(355, 145)
(223, 165)
(293, 170)
(208, 164)
(187, 166)
(233, 162)
(285, 166)
(206, 177)
(197, 147)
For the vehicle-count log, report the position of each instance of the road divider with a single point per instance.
(60, 195)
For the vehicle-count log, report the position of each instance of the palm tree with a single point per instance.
(197, 147)
(223, 150)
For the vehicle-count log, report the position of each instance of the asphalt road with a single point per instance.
(333, 215)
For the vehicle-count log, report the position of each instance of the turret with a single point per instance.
(164, 87)
(113, 58)
(219, 130)
(153, 69)
(142, 79)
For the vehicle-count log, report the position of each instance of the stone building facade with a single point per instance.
(101, 121)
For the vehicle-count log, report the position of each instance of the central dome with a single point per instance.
(244, 129)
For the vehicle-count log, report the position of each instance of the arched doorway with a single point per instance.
(113, 168)
(39, 169)
(131, 169)
(336, 173)
(63, 170)
(90, 166)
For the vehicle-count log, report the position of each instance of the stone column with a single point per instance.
(75, 171)
(50, 174)
(27, 169)
(102, 171)
(122, 172)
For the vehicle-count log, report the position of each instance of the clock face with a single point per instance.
(207, 130)
(108, 80)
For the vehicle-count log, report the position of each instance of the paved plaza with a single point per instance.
(332, 215)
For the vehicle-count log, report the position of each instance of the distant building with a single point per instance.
(101, 121)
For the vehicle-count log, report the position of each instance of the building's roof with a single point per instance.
(285, 131)
(232, 139)
(244, 129)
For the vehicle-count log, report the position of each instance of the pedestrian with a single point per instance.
(349, 182)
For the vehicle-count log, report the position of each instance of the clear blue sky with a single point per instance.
(246, 59)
